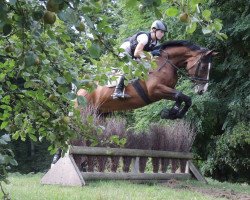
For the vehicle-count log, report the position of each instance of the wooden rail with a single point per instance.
(101, 151)
(133, 176)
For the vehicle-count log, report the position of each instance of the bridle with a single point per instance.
(198, 68)
(194, 78)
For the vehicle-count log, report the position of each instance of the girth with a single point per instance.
(140, 91)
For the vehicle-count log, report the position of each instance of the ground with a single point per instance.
(210, 191)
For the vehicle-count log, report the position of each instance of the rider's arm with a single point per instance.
(142, 41)
(139, 51)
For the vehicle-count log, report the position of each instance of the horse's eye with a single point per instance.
(203, 67)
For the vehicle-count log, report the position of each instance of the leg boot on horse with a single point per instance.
(118, 93)
(56, 157)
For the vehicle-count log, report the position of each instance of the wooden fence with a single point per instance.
(66, 172)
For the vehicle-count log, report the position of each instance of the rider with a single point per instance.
(135, 45)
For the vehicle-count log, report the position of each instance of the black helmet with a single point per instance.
(159, 25)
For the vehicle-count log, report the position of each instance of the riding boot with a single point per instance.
(118, 93)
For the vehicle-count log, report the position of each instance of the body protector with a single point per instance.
(133, 43)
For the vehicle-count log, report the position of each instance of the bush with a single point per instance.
(230, 158)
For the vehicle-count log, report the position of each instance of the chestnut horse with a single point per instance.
(161, 82)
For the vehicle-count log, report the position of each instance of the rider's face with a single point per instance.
(159, 34)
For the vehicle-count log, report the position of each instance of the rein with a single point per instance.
(193, 78)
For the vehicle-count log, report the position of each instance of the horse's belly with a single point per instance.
(120, 105)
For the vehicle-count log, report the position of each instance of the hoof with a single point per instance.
(167, 114)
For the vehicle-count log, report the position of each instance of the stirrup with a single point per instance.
(120, 95)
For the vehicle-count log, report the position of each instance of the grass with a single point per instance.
(214, 184)
(26, 187)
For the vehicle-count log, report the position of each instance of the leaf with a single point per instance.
(4, 124)
(68, 15)
(221, 36)
(2, 76)
(81, 101)
(15, 136)
(191, 28)
(26, 74)
(172, 11)
(33, 137)
(125, 69)
(13, 162)
(60, 80)
(94, 51)
(30, 58)
(70, 96)
(217, 25)
(206, 14)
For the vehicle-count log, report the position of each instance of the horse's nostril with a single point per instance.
(200, 92)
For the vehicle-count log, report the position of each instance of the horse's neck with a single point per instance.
(179, 56)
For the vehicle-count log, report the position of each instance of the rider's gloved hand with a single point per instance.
(156, 52)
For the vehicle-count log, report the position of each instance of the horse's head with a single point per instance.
(199, 70)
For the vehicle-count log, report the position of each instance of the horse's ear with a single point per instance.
(211, 52)
(214, 53)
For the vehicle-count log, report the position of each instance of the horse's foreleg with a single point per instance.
(180, 97)
(176, 111)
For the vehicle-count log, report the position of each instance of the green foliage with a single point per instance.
(223, 116)
(231, 155)
(6, 161)
(6, 157)
(31, 156)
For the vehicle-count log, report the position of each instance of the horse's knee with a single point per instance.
(180, 97)
(81, 92)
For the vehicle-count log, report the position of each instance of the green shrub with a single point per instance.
(230, 158)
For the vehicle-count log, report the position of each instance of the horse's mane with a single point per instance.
(177, 43)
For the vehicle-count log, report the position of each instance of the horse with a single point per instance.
(161, 82)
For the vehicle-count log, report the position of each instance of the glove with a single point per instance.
(156, 52)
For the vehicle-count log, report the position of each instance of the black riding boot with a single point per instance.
(118, 93)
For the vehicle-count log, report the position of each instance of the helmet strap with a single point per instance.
(154, 30)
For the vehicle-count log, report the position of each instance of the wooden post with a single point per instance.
(135, 165)
(197, 174)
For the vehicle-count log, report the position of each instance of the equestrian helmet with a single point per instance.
(159, 25)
